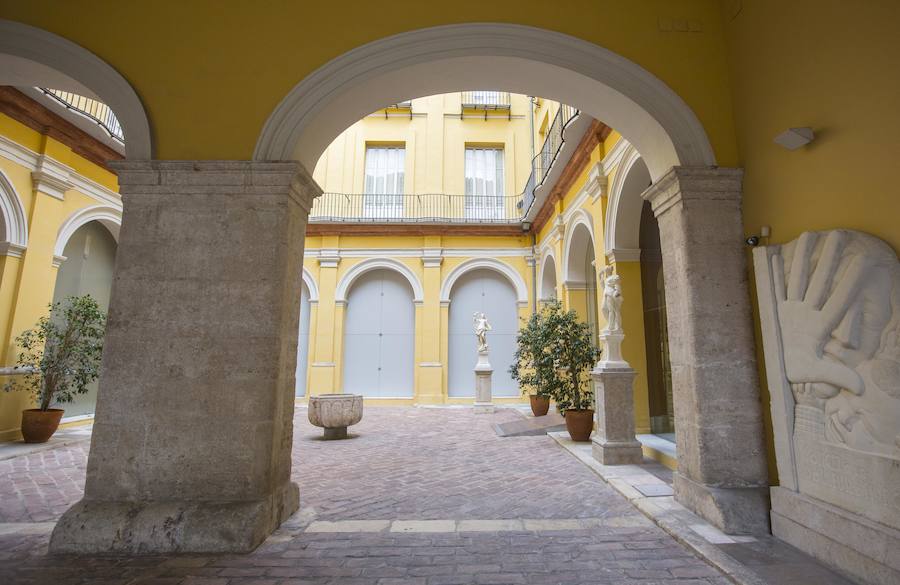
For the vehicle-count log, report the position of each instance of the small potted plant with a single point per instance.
(574, 354)
(533, 365)
(59, 358)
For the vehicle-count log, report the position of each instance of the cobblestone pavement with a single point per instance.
(402, 464)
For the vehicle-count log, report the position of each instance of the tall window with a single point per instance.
(384, 182)
(484, 183)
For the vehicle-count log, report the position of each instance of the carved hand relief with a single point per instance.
(837, 312)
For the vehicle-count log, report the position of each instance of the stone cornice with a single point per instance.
(11, 249)
(51, 177)
(624, 255)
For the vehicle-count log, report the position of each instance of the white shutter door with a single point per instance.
(303, 342)
(490, 292)
(379, 336)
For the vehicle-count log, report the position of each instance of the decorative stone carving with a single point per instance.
(611, 306)
(830, 315)
(481, 325)
(335, 412)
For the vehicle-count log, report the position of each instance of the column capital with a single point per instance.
(208, 177)
(432, 257)
(329, 258)
(693, 183)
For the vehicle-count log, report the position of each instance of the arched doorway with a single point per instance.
(90, 257)
(547, 291)
(379, 336)
(490, 292)
(580, 276)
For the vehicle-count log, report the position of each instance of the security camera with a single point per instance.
(752, 241)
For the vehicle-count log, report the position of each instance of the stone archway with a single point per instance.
(160, 328)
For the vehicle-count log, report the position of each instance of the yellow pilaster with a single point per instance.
(324, 339)
(430, 388)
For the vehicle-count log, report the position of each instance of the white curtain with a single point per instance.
(384, 181)
(484, 183)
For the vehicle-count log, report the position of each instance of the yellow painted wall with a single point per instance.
(215, 106)
(831, 66)
(26, 283)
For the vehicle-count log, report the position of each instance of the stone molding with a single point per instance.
(343, 286)
(12, 250)
(682, 184)
(14, 221)
(623, 255)
(511, 274)
(202, 177)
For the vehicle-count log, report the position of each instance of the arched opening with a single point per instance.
(31, 57)
(490, 292)
(581, 280)
(13, 225)
(90, 257)
(303, 340)
(547, 291)
(379, 336)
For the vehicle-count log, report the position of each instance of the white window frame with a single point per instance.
(485, 182)
(385, 174)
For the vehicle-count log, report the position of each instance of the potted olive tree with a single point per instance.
(534, 364)
(59, 357)
(574, 354)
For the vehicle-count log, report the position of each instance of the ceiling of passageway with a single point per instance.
(209, 78)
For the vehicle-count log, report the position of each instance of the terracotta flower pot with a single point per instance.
(39, 425)
(580, 423)
(540, 405)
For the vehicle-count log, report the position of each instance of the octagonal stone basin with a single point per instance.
(335, 412)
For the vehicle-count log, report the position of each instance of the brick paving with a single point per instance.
(402, 464)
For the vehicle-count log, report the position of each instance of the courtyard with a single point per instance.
(416, 495)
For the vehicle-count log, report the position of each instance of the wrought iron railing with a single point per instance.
(553, 142)
(92, 109)
(486, 100)
(426, 208)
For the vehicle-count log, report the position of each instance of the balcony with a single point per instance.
(95, 111)
(434, 208)
(485, 100)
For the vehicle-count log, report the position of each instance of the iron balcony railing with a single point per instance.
(92, 109)
(426, 208)
(486, 100)
(443, 208)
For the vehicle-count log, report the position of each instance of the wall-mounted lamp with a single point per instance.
(794, 138)
(753, 241)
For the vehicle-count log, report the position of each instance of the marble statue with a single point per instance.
(829, 306)
(611, 305)
(481, 326)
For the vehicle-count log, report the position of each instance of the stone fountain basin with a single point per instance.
(335, 412)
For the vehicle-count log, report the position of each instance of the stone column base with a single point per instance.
(613, 453)
(734, 510)
(171, 527)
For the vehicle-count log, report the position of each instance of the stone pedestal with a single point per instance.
(483, 372)
(722, 471)
(191, 448)
(614, 442)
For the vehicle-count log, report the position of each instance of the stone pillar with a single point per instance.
(484, 402)
(614, 442)
(718, 420)
(191, 449)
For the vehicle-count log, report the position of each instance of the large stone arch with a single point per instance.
(343, 287)
(503, 268)
(510, 57)
(547, 270)
(30, 56)
(311, 285)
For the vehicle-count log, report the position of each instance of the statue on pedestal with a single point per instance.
(482, 326)
(611, 306)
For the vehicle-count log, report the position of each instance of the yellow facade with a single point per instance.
(27, 277)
